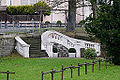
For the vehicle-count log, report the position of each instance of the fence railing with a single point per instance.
(8, 73)
(86, 64)
(30, 27)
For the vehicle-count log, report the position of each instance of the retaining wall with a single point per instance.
(6, 46)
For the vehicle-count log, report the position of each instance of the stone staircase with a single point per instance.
(50, 37)
(35, 46)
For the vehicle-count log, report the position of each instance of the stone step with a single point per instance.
(36, 51)
(35, 45)
(39, 55)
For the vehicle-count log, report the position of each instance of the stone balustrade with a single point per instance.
(51, 37)
(22, 47)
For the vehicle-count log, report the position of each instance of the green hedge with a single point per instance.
(47, 22)
(26, 9)
(20, 10)
(59, 22)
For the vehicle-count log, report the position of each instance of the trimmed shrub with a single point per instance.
(28, 9)
(20, 10)
(90, 53)
(72, 50)
(55, 50)
(59, 22)
(47, 22)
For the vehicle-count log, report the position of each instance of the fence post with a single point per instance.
(42, 75)
(85, 68)
(106, 63)
(0, 24)
(6, 27)
(39, 27)
(7, 75)
(62, 72)
(52, 75)
(93, 66)
(19, 26)
(33, 25)
(99, 63)
(78, 70)
(13, 26)
(71, 70)
(111, 61)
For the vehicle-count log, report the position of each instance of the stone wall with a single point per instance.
(6, 46)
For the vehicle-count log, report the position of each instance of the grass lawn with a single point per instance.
(30, 69)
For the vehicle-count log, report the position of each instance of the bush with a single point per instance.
(59, 22)
(55, 50)
(47, 22)
(72, 50)
(28, 9)
(42, 5)
(90, 53)
(20, 10)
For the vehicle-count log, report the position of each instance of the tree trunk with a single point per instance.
(71, 15)
(94, 6)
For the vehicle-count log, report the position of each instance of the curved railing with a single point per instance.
(51, 37)
(22, 47)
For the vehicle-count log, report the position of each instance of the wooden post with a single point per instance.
(62, 72)
(106, 63)
(7, 75)
(52, 75)
(111, 61)
(78, 70)
(42, 75)
(92, 66)
(99, 63)
(71, 70)
(85, 68)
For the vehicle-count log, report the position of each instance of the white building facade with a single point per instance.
(18, 2)
(81, 12)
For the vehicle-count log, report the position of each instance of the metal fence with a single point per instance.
(30, 27)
